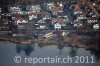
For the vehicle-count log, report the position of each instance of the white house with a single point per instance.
(61, 21)
(57, 26)
(56, 10)
(77, 23)
(77, 9)
(41, 24)
(50, 5)
(78, 12)
(92, 20)
(21, 21)
(96, 26)
(34, 8)
(81, 16)
(46, 15)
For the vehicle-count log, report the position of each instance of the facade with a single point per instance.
(92, 20)
(33, 8)
(32, 15)
(41, 24)
(57, 26)
(56, 10)
(96, 26)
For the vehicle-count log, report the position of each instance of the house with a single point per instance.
(62, 21)
(96, 26)
(92, 19)
(20, 20)
(32, 15)
(50, 6)
(16, 16)
(58, 23)
(56, 10)
(41, 24)
(92, 14)
(77, 23)
(77, 9)
(45, 15)
(81, 16)
(94, 10)
(33, 8)
(57, 26)
(63, 14)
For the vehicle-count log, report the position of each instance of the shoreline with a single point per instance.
(30, 42)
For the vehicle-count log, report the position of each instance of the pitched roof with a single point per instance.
(57, 19)
(77, 8)
(32, 13)
(56, 9)
(94, 10)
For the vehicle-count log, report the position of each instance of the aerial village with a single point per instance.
(51, 22)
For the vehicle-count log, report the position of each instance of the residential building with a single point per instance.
(41, 24)
(33, 8)
(77, 9)
(56, 10)
(62, 21)
(57, 26)
(20, 20)
(92, 19)
(50, 6)
(81, 16)
(96, 26)
(45, 15)
(32, 15)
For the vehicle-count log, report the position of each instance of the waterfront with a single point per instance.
(49, 28)
(9, 50)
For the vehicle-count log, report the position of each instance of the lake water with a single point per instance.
(9, 50)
